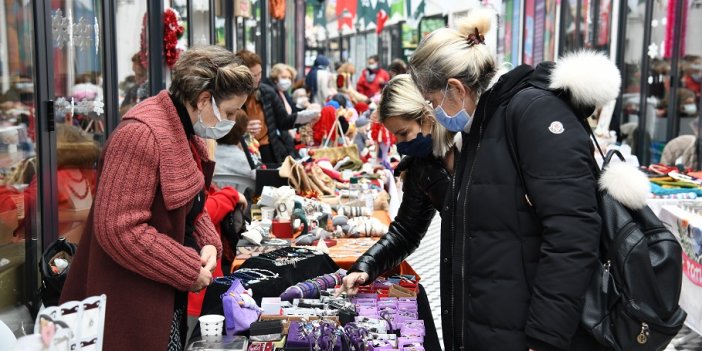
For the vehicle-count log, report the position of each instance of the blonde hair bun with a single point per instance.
(479, 18)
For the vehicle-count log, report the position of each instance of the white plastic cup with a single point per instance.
(211, 325)
(267, 213)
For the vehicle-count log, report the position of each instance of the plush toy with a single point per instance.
(315, 234)
(366, 227)
(299, 217)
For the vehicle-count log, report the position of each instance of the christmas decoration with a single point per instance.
(172, 31)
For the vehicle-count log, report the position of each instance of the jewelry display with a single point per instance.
(313, 288)
(247, 276)
(287, 256)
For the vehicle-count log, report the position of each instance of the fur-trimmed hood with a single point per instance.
(626, 184)
(587, 79)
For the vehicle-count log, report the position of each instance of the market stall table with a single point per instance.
(307, 269)
(687, 227)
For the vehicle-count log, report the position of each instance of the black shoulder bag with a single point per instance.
(632, 301)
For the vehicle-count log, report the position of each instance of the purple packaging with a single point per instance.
(407, 299)
(367, 310)
(404, 341)
(381, 345)
(373, 296)
(407, 306)
(386, 309)
(413, 328)
(381, 284)
(365, 301)
(403, 316)
(413, 347)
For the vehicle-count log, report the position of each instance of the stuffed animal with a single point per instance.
(299, 217)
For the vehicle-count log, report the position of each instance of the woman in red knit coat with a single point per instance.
(149, 239)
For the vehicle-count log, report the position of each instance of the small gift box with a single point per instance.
(413, 328)
(405, 341)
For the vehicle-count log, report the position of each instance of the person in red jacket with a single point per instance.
(383, 138)
(373, 78)
(218, 204)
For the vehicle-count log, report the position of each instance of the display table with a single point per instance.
(684, 223)
(345, 253)
(292, 274)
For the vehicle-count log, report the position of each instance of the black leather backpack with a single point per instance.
(632, 301)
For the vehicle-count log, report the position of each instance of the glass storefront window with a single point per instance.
(220, 23)
(569, 27)
(201, 22)
(18, 162)
(687, 104)
(132, 53)
(78, 109)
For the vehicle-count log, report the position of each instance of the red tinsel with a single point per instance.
(172, 31)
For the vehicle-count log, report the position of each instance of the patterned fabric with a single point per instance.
(176, 341)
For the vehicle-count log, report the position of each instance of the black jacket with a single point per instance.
(278, 122)
(288, 97)
(513, 277)
(425, 184)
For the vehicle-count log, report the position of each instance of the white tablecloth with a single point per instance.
(682, 222)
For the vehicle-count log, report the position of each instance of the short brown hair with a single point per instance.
(209, 68)
(249, 58)
(234, 136)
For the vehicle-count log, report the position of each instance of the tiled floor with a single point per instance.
(426, 262)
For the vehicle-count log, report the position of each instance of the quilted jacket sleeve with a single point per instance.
(424, 190)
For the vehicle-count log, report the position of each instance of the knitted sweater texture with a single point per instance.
(145, 158)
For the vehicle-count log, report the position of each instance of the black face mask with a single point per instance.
(421, 146)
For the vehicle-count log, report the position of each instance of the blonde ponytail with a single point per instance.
(461, 54)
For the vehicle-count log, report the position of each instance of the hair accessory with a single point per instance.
(475, 38)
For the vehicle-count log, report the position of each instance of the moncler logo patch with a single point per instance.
(556, 128)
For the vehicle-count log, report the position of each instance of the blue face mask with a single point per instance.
(456, 123)
(420, 146)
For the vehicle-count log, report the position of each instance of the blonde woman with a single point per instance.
(281, 80)
(148, 238)
(514, 268)
(428, 149)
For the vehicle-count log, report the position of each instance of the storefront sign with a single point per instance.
(242, 8)
(692, 270)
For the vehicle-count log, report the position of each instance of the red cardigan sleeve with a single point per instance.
(122, 209)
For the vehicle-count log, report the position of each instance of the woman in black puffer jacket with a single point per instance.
(429, 150)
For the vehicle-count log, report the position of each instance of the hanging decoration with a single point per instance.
(670, 28)
(277, 9)
(82, 34)
(345, 13)
(172, 31)
(382, 10)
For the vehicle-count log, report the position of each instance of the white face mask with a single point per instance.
(284, 84)
(690, 109)
(373, 66)
(218, 131)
